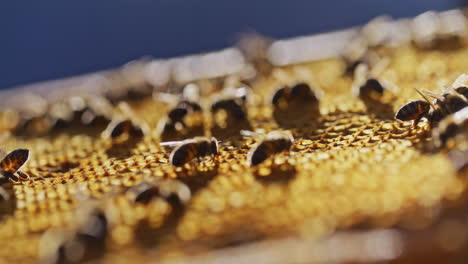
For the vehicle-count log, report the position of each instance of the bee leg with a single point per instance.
(416, 121)
(13, 177)
(23, 176)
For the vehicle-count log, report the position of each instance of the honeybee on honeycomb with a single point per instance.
(450, 101)
(190, 149)
(295, 104)
(174, 125)
(272, 143)
(11, 164)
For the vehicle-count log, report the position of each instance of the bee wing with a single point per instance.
(460, 81)
(248, 133)
(390, 86)
(14, 160)
(191, 92)
(167, 98)
(461, 115)
(360, 74)
(379, 67)
(171, 143)
(433, 95)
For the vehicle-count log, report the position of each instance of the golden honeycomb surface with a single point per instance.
(355, 167)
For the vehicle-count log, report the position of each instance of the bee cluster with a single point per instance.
(162, 167)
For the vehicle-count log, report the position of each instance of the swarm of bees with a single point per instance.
(197, 130)
(75, 111)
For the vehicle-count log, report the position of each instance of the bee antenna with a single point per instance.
(425, 98)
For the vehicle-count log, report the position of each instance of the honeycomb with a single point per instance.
(353, 169)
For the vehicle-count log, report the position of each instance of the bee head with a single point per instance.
(301, 90)
(463, 90)
(281, 93)
(177, 114)
(189, 106)
(373, 85)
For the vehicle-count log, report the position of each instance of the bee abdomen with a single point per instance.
(412, 110)
(183, 154)
(260, 154)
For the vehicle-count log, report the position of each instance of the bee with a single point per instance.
(449, 127)
(181, 110)
(300, 91)
(189, 149)
(118, 128)
(182, 106)
(11, 164)
(273, 143)
(444, 30)
(298, 103)
(85, 243)
(414, 110)
(366, 82)
(233, 101)
(232, 107)
(450, 101)
(463, 90)
(171, 190)
(97, 113)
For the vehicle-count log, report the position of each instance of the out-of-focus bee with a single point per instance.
(297, 103)
(181, 110)
(11, 164)
(444, 30)
(173, 191)
(450, 127)
(368, 86)
(126, 124)
(273, 143)
(183, 106)
(31, 115)
(75, 111)
(233, 101)
(358, 52)
(255, 49)
(80, 111)
(189, 149)
(85, 243)
(118, 128)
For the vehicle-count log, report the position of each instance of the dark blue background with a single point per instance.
(49, 39)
